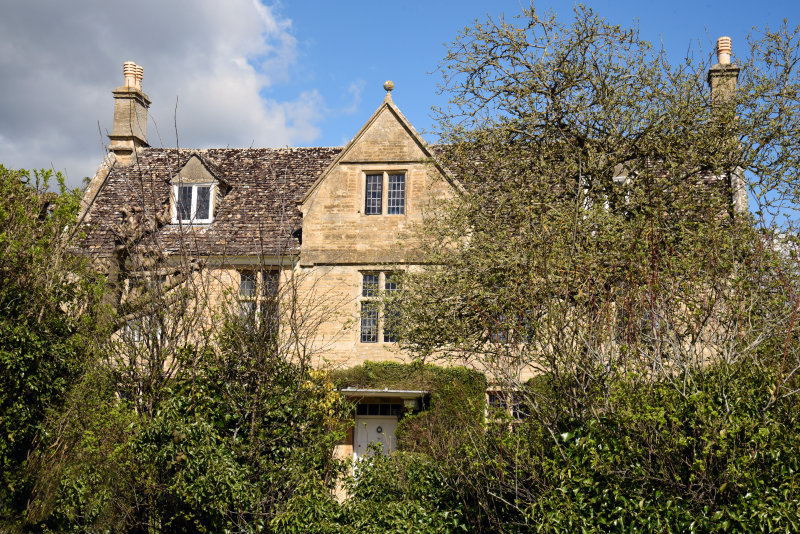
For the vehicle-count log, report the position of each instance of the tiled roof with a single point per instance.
(256, 214)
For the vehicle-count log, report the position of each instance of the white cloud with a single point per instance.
(355, 90)
(61, 60)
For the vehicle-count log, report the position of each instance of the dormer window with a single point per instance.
(194, 203)
(195, 191)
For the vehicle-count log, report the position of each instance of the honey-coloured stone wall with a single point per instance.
(341, 242)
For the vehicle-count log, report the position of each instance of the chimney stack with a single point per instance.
(723, 76)
(130, 113)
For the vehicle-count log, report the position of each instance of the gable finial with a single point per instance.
(388, 85)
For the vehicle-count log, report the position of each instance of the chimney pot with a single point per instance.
(129, 71)
(724, 50)
(139, 76)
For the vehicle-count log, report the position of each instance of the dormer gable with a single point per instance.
(196, 190)
(196, 171)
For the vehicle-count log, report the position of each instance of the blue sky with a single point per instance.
(365, 43)
(259, 73)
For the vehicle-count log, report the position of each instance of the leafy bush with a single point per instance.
(399, 493)
(722, 460)
(404, 492)
(42, 346)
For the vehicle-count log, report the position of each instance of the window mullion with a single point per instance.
(381, 285)
(385, 194)
(193, 208)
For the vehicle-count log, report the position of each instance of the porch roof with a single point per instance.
(396, 393)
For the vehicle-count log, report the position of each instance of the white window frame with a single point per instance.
(133, 331)
(193, 208)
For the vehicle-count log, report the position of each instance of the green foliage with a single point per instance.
(193, 481)
(455, 399)
(596, 244)
(313, 509)
(710, 462)
(226, 449)
(404, 492)
(85, 477)
(41, 346)
(593, 244)
(400, 493)
(415, 376)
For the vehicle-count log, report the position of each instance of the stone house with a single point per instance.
(325, 223)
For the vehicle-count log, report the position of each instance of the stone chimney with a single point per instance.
(130, 113)
(723, 76)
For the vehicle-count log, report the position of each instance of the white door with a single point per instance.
(374, 429)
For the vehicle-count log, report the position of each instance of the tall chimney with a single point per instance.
(130, 113)
(723, 76)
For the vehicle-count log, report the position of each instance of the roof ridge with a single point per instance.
(205, 150)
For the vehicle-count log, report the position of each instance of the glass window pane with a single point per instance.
(203, 203)
(270, 311)
(373, 194)
(247, 285)
(390, 319)
(499, 329)
(396, 194)
(247, 310)
(133, 331)
(391, 316)
(392, 283)
(184, 202)
(369, 285)
(369, 322)
(269, 285)
(497, 400)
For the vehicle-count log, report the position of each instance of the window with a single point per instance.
(146, 329)
(369, 284)
(509, 402)
(383, 408)
(247, 295)
(132, 332)
(395, 201)
(369, 322)
(194, 203)
(255, 303)
(391, 315)
(499, 329)
(374, 194)
(374, 328)
(247, 284)
(270, 294)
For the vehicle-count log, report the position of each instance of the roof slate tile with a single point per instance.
(256, 214)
